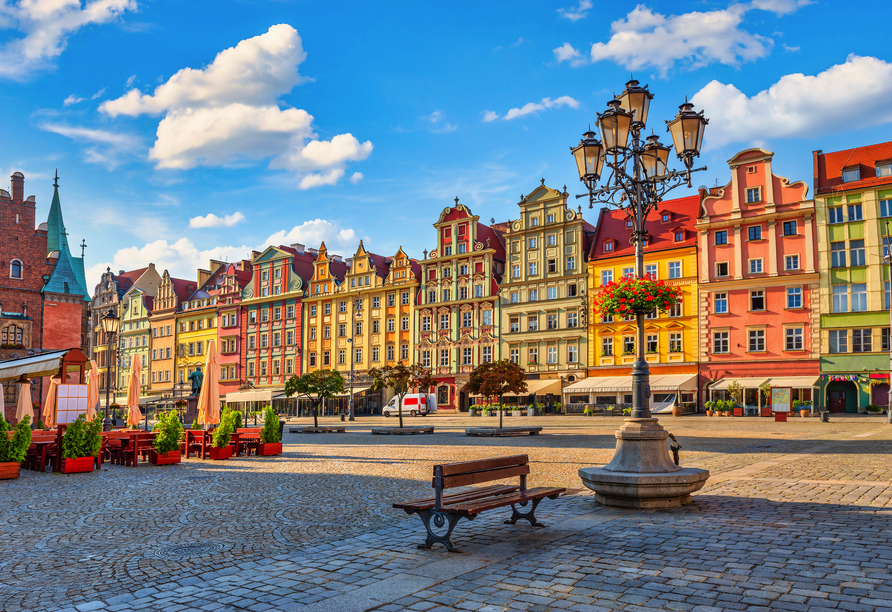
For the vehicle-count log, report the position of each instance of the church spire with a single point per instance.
(55, 226)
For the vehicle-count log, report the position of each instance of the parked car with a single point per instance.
(413, 405)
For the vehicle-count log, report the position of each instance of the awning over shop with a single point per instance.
(754, 382)
(619, 384)
(541, 387)
(252, 395)
(356, 390)
(44, 364)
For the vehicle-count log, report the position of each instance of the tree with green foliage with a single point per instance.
(14, 449)
(315, 386)
(223, 433)
(270, 432)
(495, 379)
(169, 432)
(401, 378)
(82, 438)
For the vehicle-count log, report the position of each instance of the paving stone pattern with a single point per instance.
(795, 517)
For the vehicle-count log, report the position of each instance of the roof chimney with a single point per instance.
(298, 247)
(203, 276)
(18, 187)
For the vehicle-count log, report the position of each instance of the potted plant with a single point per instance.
(587, 412)
(220, 448)
(13, 449)
(270, 440)
(81, 443)
(168, 432)
(709, 406)
(515, 410)
(627, 412)
(608, 410)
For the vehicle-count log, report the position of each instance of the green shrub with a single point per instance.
(195, 424)
(223, 432)
(587, 412)
(874, 408)
(169, 433)
(236, 417)
(270, 432)
(13, 450)
(82, 438)
(40, 425)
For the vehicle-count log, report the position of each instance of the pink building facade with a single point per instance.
(231, 323)
(758, 283)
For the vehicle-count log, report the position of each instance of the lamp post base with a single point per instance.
(106, 424)
(641, 474)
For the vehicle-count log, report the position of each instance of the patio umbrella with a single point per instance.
(24, 407)
(52, 399)
(209, 398)
(92, 391)
(2, 402)
(134, 416)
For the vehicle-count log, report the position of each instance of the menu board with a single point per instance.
(71, 402)
(780, 399)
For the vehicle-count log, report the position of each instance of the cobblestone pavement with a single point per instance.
(796, 516)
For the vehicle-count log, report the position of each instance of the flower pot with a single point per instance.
(9, 469)
(676, 410)
(709, 413)
(780, 417)
(804, 413)
(81, 464)
(531, 412)
(268, 449)
(165, 458)
(472, 412)
(515, 413)
(218, 454)
(738, 411)
(608, 412)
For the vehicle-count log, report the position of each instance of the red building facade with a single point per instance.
(759, 286)
(230, 324)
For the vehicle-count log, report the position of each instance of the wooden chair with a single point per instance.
(248, 439)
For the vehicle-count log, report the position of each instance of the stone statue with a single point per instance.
(196, 378)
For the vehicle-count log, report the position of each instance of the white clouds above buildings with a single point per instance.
(580, 11)
(45, 26)
(104, 147)
(531, 108)
(229, 113)
(645, 39)
(212, 220)
(799, 105)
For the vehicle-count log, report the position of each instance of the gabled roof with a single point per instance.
(495, 240)
(182, 288)
(612, 225)
(828, 167)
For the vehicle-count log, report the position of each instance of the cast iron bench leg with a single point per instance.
(527, 516)
(440, 519)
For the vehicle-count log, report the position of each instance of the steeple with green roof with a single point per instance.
(55, 226)
(68, 273)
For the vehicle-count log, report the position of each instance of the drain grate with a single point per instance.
(189, 550)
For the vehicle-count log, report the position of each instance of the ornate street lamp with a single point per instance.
(635, 180)
(357, 316)
(110, 324)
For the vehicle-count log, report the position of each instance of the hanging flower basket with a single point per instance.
(630, 296)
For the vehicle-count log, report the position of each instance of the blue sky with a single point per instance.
(302, 121)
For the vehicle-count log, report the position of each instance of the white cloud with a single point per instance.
(212, 220)
(577, 13)
(357, 176)
(103, 147)
(535, 107)
(72, 99)
(130, 80)
(566, 53)
(790, 49)
(780, 7)
(519, 42)
(800, 105)
(182, 257)
(228, 113)
(45, 26)
(435, 116)
(490, 116)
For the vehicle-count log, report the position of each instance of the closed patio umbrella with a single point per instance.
(134, 415)
(52, 399)
(92, 391)
(24, 407)
(209, 398)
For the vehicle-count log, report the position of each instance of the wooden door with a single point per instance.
(837, 401)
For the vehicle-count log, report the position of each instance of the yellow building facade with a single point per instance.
(196, 328)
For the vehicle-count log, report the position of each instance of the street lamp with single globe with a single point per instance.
(110, 323)
(635, 178)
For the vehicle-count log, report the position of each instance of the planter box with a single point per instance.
(515, 413)
(804, 413)
(473, 412)
(531, 412)
(738, 411)
(81, 464)
(780, 417)
(166, 458)
(9, 470)
(218, 454)
(268, 449)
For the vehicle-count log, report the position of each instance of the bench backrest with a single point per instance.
(451, 475)
(248, 430)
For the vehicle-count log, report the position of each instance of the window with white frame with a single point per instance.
(675, 310)
(674, 269)
(757, 299)
(514, 355)
(607, 347)
(794, 297)
(572, 319)
(756, 340)
(552, 293)
(651, 271)
(791, 262)
(486, 354)
(793, 339)
(756, 266)
(753, 194)
(856, 252)
(534, 268)
(862, 341)
(859, 297)
(572, 353)
(675, 342)
(606, 277)
(838, 340)
(850, 175)
(720, 342)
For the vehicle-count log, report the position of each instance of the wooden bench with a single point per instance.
(402, 431)
(248, 438)
(445, 510)
(196, 441)
(503, 431)
(308, 429)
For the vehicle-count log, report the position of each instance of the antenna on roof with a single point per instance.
(492, 219)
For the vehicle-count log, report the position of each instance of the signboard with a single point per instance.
(71, 402)
(780, 399)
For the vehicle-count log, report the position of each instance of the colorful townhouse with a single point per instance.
(543, 297)
(171, 294)
(671, 338)
(135, 340)
(366, 322)
(197, 326)
(457, 320)
(758, 305)
(230, 319)
(272, 323)
(853, 202)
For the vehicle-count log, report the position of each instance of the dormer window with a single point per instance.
(679, 235)
(884, 169)
(666, 217)
(628, 223)
(608, 246)
(753, 195)
(850, 175)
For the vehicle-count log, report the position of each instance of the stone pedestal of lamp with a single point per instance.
(641, 474)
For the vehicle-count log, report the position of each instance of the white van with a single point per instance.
(413, 405)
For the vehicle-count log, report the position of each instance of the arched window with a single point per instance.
(15, 269)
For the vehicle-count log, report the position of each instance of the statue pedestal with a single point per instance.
(191, 409)
(641, 474)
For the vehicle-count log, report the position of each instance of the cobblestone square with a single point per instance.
(795, 516)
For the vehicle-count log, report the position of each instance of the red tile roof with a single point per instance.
(828, 167)
(612, 226)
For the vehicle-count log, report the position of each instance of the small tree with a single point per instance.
(270, 432)
(14, 449)
(169, 432)
(401, 378)
(315, 386)
(735, 390)
(495, 379)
